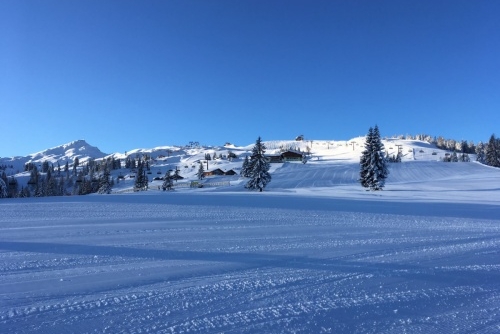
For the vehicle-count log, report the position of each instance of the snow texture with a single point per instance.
(313, 253)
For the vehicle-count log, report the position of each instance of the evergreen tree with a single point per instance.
(13, 187)
(258, 167)
(365, 172)
(45, 166)
(176, 176)
(373, 165)
(141, 180)
(244, 168)
(104, 182)
(76, 162)
(167, 183)
(50, 184)
(492, 156)
(3, 189)
(480, 155)
(3, 176)
(201, 172)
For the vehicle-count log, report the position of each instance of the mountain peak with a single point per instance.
(76, 149)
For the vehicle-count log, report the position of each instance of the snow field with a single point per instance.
(231, 262)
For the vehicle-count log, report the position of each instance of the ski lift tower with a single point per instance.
(400, 152)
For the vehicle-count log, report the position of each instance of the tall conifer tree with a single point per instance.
(258, 168)
(373, 165)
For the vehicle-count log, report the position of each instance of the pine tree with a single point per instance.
(366, 173)
(480, 155)
(141, 180)
(244, 167)
(104, 182)
(3, 177)
(492, 156)
(75, 165)
(167, 183)
(201, 172)
(177, 175)
(3, 189)
(373, 165)
(13, 187)
(258, 167)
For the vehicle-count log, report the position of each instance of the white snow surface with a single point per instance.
(313, 253)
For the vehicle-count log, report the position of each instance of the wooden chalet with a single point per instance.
(291, 156)
(274, 158)
(285, 156)
(217, 171)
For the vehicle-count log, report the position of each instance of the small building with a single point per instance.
(230, 172)
(284, 157)
(217, 171)
(274, 158)
(291, 156)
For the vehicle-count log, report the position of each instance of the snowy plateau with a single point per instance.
(314, 253)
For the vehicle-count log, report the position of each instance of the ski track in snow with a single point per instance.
(234, 263)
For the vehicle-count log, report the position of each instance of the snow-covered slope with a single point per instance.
(332, 166)
(67, 152)
(314, 253)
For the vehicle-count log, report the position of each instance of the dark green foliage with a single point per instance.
(492, 155)
(373, 165)
(105, 182)
(141, 180)
(244, 168)
(177, 175)
(167, 183)
(201, 172)
(258, 168)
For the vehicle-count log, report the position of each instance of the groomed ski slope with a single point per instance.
(314, 253)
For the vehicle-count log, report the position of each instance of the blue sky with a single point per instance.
(140, 74)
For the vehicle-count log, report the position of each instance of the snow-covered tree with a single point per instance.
(141, 180)
(177, 175)
(76, 162)
(167, 183)
(492, 156)
(480, 154)
(366, 172)
(258, 167)
(3, 189)
(201, 172)
(104, 182)
(373, 165)
(244, 167)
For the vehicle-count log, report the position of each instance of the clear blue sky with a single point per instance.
(139, 74)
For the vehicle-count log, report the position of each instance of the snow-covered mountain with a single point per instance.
(67, 152)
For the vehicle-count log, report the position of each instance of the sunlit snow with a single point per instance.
(313, 253)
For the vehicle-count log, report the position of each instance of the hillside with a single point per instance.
(331, 165)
